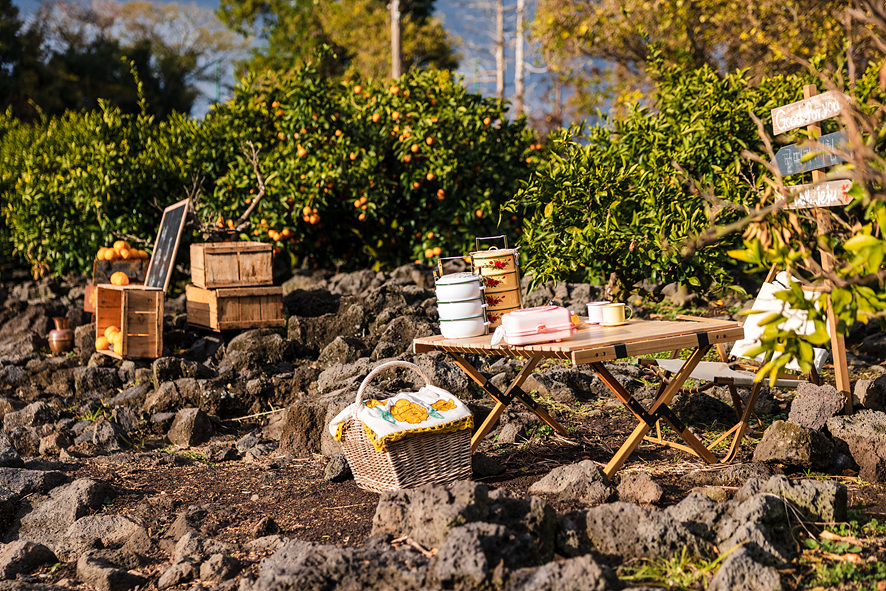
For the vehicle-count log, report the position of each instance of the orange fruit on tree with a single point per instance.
(119, 278)
(437, 251)
(275, 105)
(101, 343)
(376, 117)
(441, 194)
(281, 135)
(337, 133)
(429, 140)
(353, 155)
(407, 158)
(286, 233)
(430, 235)
(479, 213)
(416, 184)
(487, 121)
(395, 115)
(361, 217)
(430, 176)
(395, 89)
(358, 89)
(429, 252)
(414, 148)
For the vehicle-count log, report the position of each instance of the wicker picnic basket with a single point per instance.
(417, 459)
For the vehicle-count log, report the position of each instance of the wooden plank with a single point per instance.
(591, 339)
(789, 159)
(826, 194)
(235, 308)
(807, 111)
(236, 292)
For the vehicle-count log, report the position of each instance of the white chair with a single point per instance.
(733, 370)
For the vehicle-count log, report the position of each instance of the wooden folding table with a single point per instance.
(593, 345)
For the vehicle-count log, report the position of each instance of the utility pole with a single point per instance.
(518, 59)
(499, 49)
(396, 63)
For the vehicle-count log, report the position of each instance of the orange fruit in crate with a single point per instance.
(101, 343)
(126, 253)
(117, 341)
(120, 278)
(100, 255)
(111, 254)
(110, 331)
(120, 245)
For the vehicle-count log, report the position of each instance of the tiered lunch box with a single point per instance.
(501, 275)
(461, 305)
(535, 325)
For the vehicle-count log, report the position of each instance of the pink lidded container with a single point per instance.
(535, 325)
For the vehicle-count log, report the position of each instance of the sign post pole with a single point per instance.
(838, 344)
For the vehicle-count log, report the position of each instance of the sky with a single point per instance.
(477, 63)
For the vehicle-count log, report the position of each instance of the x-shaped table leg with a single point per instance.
(503, 399)
(659, 409)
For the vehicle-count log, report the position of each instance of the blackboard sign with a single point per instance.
(166, 245)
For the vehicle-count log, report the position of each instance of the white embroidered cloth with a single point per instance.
(429, 409)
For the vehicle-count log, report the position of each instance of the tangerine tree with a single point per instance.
(373, 173)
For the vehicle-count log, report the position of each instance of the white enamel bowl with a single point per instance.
(457, 287)
(464, 328)
(465, 309)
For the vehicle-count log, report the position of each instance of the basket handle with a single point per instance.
(478, 239)
(379, 369)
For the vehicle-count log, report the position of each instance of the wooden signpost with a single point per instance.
(814, 108)
(790, 159)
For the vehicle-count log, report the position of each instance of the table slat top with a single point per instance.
(590, 337)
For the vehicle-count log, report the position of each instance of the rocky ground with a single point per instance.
(211, 468)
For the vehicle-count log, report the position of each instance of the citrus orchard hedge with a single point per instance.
(376, 173)
(619, 203)
(372, 174)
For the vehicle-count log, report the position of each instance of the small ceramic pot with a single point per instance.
(61, 340)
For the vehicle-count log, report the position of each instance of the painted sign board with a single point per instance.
(789, 159)
(808, 111)
(829, 194)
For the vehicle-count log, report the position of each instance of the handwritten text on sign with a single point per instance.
(808, 111)
(790, 158)
(828, 194)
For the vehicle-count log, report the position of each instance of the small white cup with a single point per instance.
(595, 311)
(614, 314)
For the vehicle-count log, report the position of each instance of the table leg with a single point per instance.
(504, 399)
(662, 400)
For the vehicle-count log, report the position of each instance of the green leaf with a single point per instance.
(861, 241)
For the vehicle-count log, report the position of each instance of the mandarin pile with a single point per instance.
(111, 337)
(120, 251)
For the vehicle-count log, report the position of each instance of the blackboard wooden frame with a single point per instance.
(165, 251)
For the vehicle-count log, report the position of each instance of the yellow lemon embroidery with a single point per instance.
(444, 405)
(409, 412)
(373, 403)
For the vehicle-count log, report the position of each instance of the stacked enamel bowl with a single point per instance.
(461, 305)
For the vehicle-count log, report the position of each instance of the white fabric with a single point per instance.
(388, 417)
(796, 320)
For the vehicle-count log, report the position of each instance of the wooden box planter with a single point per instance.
(138, 312)
(235, 308)
(231, 264)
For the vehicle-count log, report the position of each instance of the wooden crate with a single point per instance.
(135, 269)
(102, 271)
(235, 308)
(138, 312)
(231, 264)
